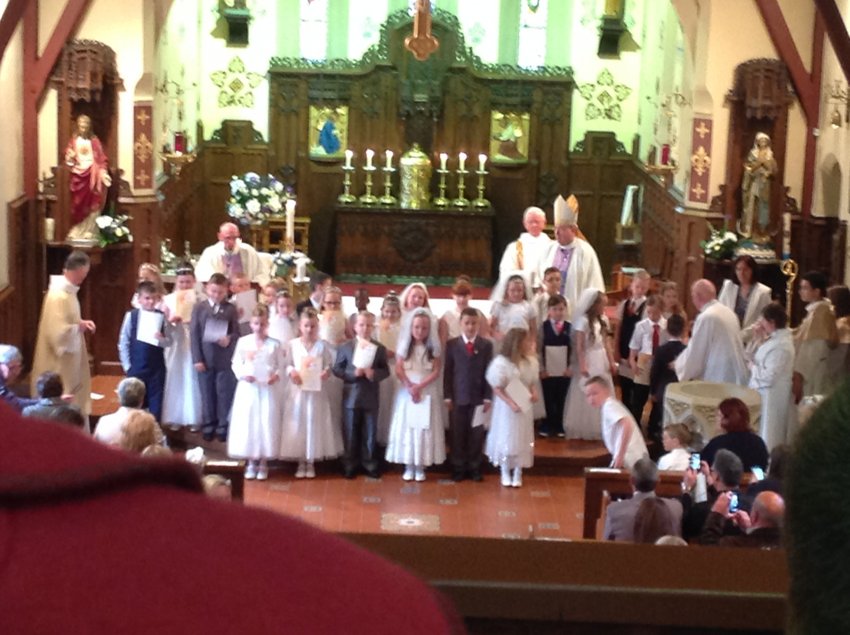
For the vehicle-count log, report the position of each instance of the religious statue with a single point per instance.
(759, 170)
(89, 179)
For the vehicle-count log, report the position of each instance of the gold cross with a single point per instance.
(698, 191)
(143, 117)
(703, 129)
(143, 178)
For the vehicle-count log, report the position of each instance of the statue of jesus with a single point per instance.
(89, 179)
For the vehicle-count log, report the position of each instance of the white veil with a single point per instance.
(405, 336)
(586, 300)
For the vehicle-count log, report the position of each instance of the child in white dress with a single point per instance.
(283, 325)
(417, 439)
(387, 334)
(255, 417)
(450, 320)
(309, 432)
(592, 357)
(334, 329)
(510, 442)
(149, 272)
(181, 404)
(514, 310)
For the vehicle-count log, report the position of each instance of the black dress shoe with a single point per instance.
(373, 474)
(222, 436)
(349, 474)
(208, 436)
(457, 476)
(475, 475)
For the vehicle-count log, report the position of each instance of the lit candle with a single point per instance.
(369, 154)
(786, 235)
(349, 154)
(290, 222)
(462, 161)
(389, 159)
(300, 269)
(443, 158)
(482, 159)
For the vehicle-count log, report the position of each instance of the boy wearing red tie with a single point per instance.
(464, 388)
(555, 373)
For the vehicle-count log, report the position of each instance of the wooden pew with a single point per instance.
(539, 586)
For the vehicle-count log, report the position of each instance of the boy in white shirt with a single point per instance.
(620, 432)
(649, 334)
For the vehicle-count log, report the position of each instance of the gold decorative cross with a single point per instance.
(703, 129)
(698, 191)
(422, 43)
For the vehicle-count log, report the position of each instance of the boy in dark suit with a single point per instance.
(465, 388)
(660, 373)
(555, 332)
(214, 331)
(319, 281)
(361, 363)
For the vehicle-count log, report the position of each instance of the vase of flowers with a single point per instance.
(294, 264)
(113, 229)
(721, 244)
(254, 198)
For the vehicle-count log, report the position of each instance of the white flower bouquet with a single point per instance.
(285, 262)
(721, 244)
(113, 229)
(253, 198)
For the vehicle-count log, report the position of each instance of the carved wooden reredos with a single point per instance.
(443, 103)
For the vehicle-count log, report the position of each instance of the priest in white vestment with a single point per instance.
(61, 344)
(525, 253)
(715, 351)
(814, 339)
(231, 256)
(573, 256)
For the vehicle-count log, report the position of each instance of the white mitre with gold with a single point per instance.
(566, 211)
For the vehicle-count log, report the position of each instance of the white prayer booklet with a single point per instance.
(246, 302)
(311, 374)
(420, 413)
(556, 360)
(214, 329)
(262, 370)
(481, 418)
(184, 302)
(519, 392)
(364, 356)
(150, 323)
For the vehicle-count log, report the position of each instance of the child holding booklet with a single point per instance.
(255, 419)
(555, 369)
(361, 363)
(513, 375)
(648, 335)
(244, 298)
(181, 405)
(309, 432)
(144, 334)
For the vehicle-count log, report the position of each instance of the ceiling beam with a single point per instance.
(836, 30)
(9, 22)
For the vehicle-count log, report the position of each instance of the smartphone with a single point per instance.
(758, 473)
(695, 461)
(733, 503)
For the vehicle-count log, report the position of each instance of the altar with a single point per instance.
(430, 245)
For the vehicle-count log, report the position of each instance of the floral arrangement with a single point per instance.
(286, 262)
(721, 244)
(113, 229)
(253, 198)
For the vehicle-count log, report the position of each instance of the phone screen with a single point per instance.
(695, 461)
(733, 503)
(758, 473)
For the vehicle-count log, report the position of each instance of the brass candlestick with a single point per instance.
(388, 198)
(789, 268)
(461, 201)
(481, 202)
(347, 198)
(368, 198)
(441, 200)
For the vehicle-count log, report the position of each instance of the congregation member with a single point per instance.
(255, 430)
(181, 402)
(747, 298)
(761, 528)
(214, 331)
(131, 396)
(61, 344)
(141, 346)
(417, 435)
(11, 363)
(361, 364)
(230, 256)
(555, 372)
(620, 515)
(839, 297)
(140, 431)
(714, 352)
(774, 480)
(648, 336)
(723, 476)
(814, 339)
(528, 251)
(737, 436)
(466, 392)
(319, 281)
(653, 521)
(620, 432)
(50, 404)
(661, 373)
(629, 312)
(676, 440)
(573, 256)
(771, 374)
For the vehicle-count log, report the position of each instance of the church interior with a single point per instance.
(405, 139)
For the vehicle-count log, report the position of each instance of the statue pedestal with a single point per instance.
(694, 403)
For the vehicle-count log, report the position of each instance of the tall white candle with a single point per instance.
(462, 161)
(389, 154)
(369, 154)
(290, 222)
(443, 158)
(482, 159)
(349, 154)
(300, 269)
(786, 235)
